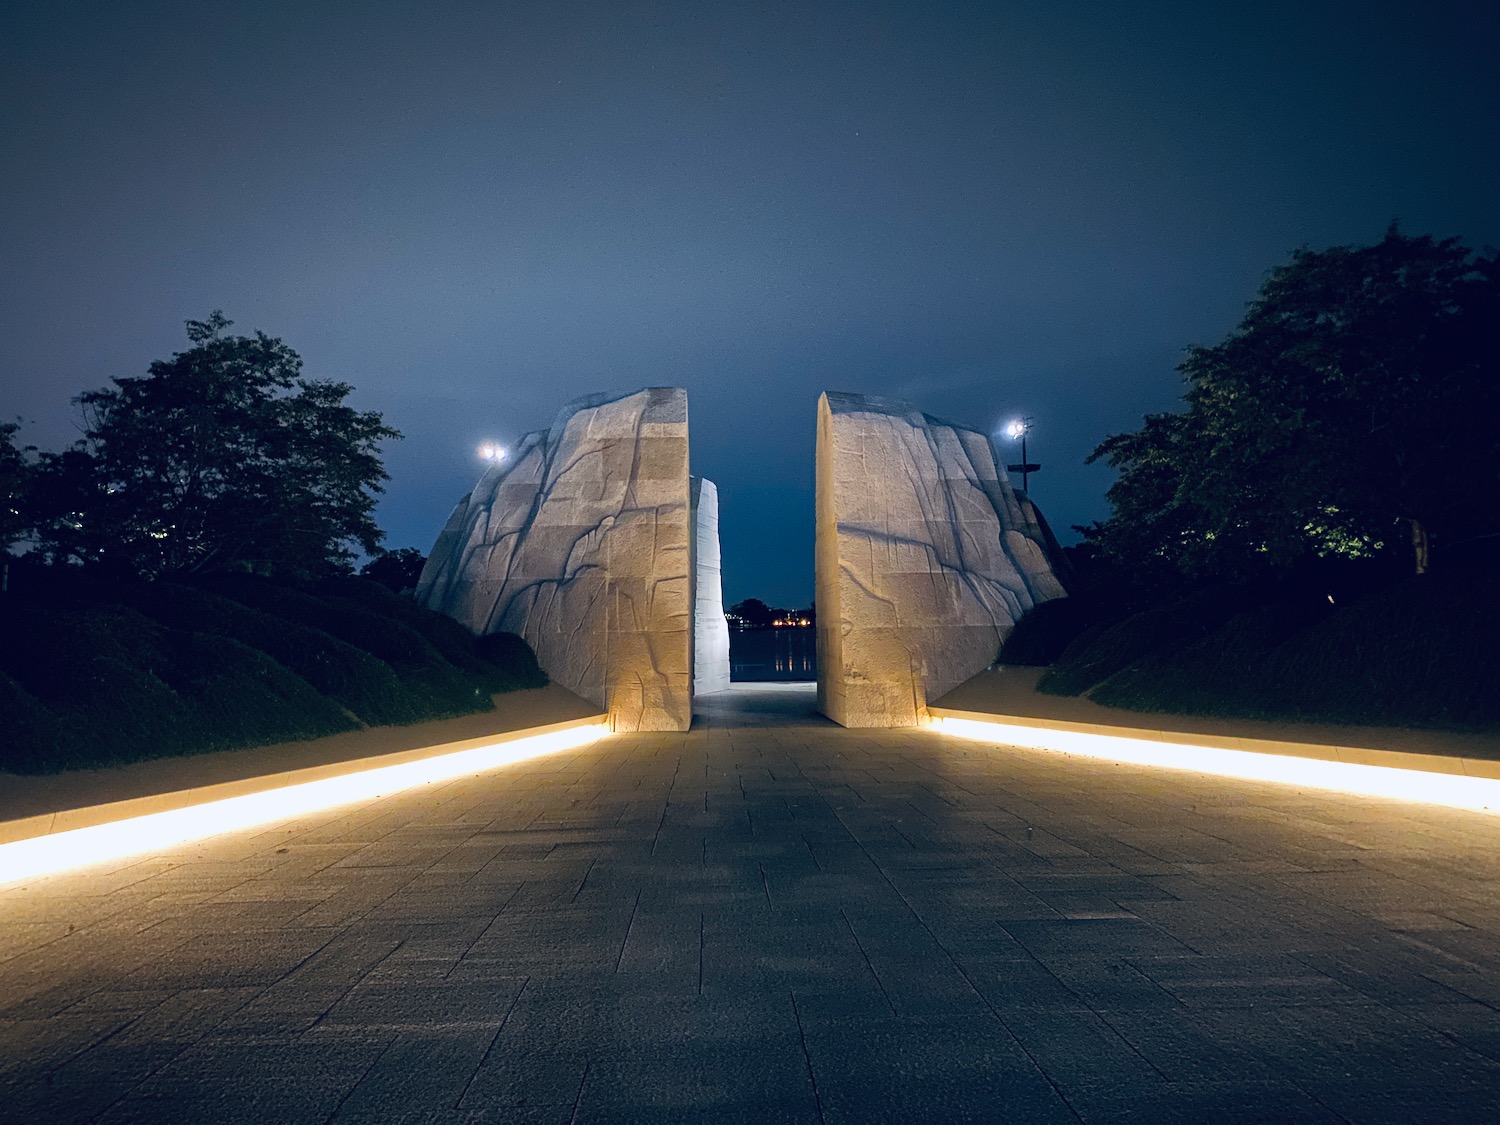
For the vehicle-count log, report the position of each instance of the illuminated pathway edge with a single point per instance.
(46, 844)
(1461, 783)
(769, 918)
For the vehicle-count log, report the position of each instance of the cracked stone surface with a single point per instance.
(926, 558)
(581, 542)
(710, 627)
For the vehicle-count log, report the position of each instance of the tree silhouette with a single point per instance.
(221, 458)
(1354, 411)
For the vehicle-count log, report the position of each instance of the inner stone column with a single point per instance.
(710, 627)
(925, 559)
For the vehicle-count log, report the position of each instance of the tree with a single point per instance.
(397, 570)
(15, 477)
(222, 458)
(753, 612)
(1354, 411)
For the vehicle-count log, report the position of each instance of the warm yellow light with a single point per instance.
(1458, 791)
(60, 851)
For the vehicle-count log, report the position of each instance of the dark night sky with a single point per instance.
(475, 212)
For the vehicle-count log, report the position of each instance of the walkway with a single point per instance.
(774, 919)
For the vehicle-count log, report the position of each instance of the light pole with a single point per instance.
(1019, 428)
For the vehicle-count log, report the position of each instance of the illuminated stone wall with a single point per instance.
(581, 541)
(710, 628)
(925, 559)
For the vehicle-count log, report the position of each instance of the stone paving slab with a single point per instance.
(771, 918)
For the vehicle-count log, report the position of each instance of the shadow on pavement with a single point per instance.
(759, 705)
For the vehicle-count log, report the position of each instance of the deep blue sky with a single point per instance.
(475, 212)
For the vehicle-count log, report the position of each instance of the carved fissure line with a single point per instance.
(907, 439)
(967, 577)
(848, 573)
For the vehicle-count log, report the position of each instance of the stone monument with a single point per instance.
(710, 627)
(582, 542)
(925, 559)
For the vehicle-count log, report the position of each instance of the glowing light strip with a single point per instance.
(61, 851)
(1460, 791)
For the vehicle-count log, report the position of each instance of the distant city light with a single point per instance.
(492, 452)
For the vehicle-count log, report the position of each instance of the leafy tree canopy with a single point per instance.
(1355, 411)
(15, 476)
(753, 612)
(396, 570)
(221, 458)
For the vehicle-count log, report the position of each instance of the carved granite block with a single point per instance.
(582, 543)
(925, 559)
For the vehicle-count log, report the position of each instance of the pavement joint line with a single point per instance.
(1466, 783)
(58, 841)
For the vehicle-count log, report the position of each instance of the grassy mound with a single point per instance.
(239, 696)
(120, 687)
(1108, 648)
(1419, 653)
(96, 675)
(1044, 633)
(436, 688)
(1224, 664)
(33, 734)
(507, 665)
(514, 663)
(86, 667)
(363, 684)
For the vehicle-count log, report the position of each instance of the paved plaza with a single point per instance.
(770, 918)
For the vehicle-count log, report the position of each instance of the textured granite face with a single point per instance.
(582, 543)
(710, 627)
(925, 559)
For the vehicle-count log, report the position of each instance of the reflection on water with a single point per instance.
(772, 654)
